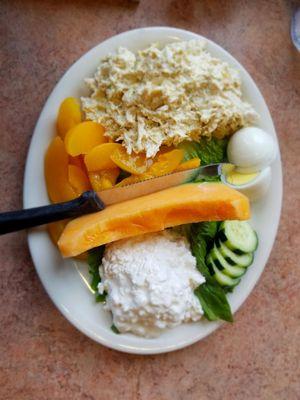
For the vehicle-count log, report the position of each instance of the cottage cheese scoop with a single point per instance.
(150, 280)
(166, 95)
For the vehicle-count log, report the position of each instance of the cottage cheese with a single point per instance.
(164, 96)
(150, 281)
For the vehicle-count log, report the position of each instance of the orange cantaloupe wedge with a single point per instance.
(192, 202)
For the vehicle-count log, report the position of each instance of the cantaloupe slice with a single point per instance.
(192, 202)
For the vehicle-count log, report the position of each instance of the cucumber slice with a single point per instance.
(243, 260)
(209, 265)
(212, 257)
(238, 236)
(224, 266)
(222, 279)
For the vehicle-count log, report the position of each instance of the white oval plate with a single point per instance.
(66, 281)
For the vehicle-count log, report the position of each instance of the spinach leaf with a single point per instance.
(210, 294)
(215, 178)
(201, 238)
(115, 329)
(199, 250)
(208, 150)
(94, 260)
(206, 229)
(100, 298)
(213, 301)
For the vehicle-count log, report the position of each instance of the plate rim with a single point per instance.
(32, 233)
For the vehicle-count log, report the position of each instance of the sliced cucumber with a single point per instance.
(212, 257)
(222, 279)
(243, 260)
(224, 266)
(238, 236)
(209, 265)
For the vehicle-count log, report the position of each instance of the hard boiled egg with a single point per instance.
(254, 185)
(251, 150)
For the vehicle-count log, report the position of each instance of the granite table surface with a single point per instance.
(42, 356)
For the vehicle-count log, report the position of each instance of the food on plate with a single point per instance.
(254, 186)
(135, 164)
(190, 164)
(209, 151)
(172, 256)
(166, 163)
(238, 236)
(56, 172)
(165, 96)
(104, 179)
(69, 115)
(236, 178)
(84, 137)
(99, 157)
(78, 179)
(232, 252)
(251, 149)
(78, 161)
(55, 229)
(179, 205)
(150, 282)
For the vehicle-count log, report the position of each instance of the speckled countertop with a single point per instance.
(41, 355)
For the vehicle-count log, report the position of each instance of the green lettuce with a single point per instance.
(94, 261)
(213, 301)
(210, 294)
(208, 230)
(209, 151)
(115, 329)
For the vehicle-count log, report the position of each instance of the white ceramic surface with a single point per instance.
(66, 281)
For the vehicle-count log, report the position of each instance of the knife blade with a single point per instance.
(152, 185)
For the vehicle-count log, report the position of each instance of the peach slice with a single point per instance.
(83, 137)
(130, 180)
(55, 229)
(166, 163)
(78, 179)
(69, 115)
(193, 163)
(56, 172)
(100, 157)
(78, 161)
(104, 179)
(134, 163)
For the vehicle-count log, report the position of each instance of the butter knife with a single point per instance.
(91, 201)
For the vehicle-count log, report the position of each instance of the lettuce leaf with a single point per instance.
(215, 178)
(210, 294)
(94, 261)
(209, 151)
(115, 329)
(206, 229)
(201, 239)
(214, 302)
(199, 250)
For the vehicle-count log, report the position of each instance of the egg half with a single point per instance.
(251, 150)
(254, 185)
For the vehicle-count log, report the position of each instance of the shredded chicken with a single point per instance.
(165, 96)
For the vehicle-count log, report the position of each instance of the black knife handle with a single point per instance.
(13, 221)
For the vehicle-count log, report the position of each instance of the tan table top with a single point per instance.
(41, 355)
